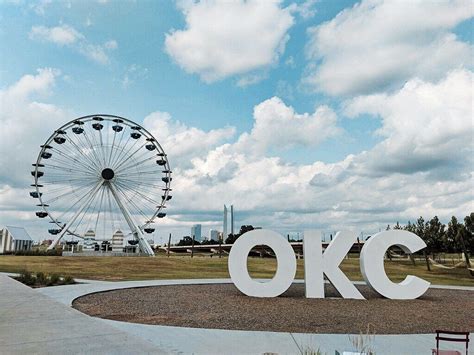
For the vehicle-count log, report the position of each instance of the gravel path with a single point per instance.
(224, 307)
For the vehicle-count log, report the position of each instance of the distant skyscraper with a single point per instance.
(232, 219)
(213, 235)
(196, 232)
(224, 226)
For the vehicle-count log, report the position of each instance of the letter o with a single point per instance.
(286, 264)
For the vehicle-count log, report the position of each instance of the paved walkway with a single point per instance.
(32, 323)
(180, 340)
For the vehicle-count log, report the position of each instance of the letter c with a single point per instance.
(372, 265)
(286, 264)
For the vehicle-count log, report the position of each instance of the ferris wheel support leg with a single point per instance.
(137, 232)
(71, 221)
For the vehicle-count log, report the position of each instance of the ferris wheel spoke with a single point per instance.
(109, 203)
(63, 180)
(138, 162)
(147, 198)
(111, 149)
(90, 194)
(68, 192)
(68, 158)
(124, 154)
(88, 161)
(63, 163)
(100, 206)
(142, 182)
(82, 218)
(116, 151)
(62, 168)
(131, 202)
(102, 148)
(119, 153)
(129, 157)
(99, 145)
(91, 147)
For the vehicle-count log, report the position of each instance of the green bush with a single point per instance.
(54, 279)
(68, 280)
(41, 278)
(26, 278)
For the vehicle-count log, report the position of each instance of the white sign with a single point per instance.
(317, 264)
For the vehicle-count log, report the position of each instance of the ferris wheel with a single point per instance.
(101, 174)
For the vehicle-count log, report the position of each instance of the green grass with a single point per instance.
(185, 267)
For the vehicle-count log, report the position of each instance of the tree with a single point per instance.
(187, 241)
(231, 238)
(419, 230)
(469, 238)
(434, 235)
(243, 229)
(451, 239)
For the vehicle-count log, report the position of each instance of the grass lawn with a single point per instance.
(185, 267)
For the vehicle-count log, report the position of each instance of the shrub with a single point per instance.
(68, 280)
(26, 278)
(54, 279)
(41, 278)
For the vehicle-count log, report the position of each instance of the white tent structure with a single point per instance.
(13, 239)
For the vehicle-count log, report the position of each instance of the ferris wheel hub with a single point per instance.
(108, 174)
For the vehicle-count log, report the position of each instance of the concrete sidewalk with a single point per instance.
(32, 323)
(181, 340)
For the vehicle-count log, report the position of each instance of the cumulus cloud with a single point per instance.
(211, 167)
(378, 45)
(61, 35)
(65, 35)
(183, 142)
(427, 127)
(223, 39)
(277, 125)
(26, 123)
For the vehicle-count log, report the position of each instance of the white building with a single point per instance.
(196, 232)
(213, 235)
(117, 242)
(14, 239)
(89, 241)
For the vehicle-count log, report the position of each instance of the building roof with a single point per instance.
(18, 233)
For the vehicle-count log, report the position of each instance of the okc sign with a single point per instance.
(317, 264)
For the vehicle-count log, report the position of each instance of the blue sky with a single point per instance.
(139, 29)
(329, 56)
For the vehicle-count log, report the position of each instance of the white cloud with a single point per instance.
(65, 35)
(378, 45)
(112, 44)
(61, 35)
(279, 126)
(305, 9)
(182, 142)
(26, 123)
(420, 122)
(427, 127)
(223, 39)
(133, 73)
(40, 6)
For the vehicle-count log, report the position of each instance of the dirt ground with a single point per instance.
(225, 307)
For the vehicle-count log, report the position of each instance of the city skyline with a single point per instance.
(332, 118)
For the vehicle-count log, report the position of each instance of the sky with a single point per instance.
(304, 115)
